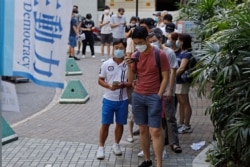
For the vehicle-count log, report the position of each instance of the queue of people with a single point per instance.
(149, 58)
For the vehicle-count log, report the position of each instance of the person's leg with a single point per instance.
(104, 130)
(154, 104)
(91, 45)
(84, 43)
(79, 47)
(158, 143)
(172, 130)
(118, 132)
(181, 102)
(187, 110)
(140, 112)
(145, 141)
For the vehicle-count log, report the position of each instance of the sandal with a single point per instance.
(176, 149)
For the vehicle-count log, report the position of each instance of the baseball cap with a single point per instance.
(157, 13)
(170, 27)
(149, 22)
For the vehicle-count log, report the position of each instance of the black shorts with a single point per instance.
(106, 38)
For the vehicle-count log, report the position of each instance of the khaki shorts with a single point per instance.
(130, 114)
(182, 88)
(130, 46)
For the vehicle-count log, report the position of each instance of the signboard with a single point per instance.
(35, 37)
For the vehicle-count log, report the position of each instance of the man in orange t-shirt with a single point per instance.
(148, 91)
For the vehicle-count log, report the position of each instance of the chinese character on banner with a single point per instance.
(40, 36)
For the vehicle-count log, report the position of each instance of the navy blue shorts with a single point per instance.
(72, 41)
(147, 109)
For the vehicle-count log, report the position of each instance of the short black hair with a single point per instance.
(168, 17)
(106, 7)
(120, 40)
(140, 32)
(88, 16)
(121, 9)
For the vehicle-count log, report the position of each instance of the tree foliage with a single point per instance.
(225, 59)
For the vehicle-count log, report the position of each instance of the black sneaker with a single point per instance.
(146, 164)
(76, 58)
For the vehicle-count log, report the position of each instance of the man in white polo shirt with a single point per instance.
(113, 77)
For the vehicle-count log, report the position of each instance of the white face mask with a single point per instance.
(106, 11)
(141, 48)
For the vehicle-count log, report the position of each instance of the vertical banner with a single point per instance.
(35, 40)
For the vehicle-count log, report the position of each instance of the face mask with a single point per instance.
(118, 53)
(156, 19)
(168, 43)
(106, 11)
(177, 44)
(156, 44)
(141, 48)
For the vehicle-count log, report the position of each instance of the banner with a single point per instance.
(35, 37)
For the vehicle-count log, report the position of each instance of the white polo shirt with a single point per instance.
(111, 71)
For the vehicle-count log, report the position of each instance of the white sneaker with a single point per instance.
(93, 56)
(102, 60)
(83, 56)
(164, 154)
(116, 149)
(100, 153)
(130, 139)
(141, 153)
(185, 129)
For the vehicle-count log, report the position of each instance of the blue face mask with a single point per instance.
(177, 44)
(118, 53)
(156, 19)
(168, 43)
(157, 44)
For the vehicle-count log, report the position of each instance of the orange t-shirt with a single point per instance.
(148, 77)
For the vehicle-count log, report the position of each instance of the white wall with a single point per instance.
(87, 6)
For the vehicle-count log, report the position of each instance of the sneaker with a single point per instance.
(78, 52)
(185, 129)
(146, 164)
(100, 153)
(83, 56)
(116, 149)
(179, 125)
(93, 56)
(130, 139)
(102, 60)
(141, 154)
(76, 58)
(164, 154)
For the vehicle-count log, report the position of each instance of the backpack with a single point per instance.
(157, 59)
(186, 76)
(103, 16)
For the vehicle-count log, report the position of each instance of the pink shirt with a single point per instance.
(148, 77)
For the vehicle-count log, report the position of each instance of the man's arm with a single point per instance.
(171, 83)
(164, 82)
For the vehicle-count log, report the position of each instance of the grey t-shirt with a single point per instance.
(105, 29)
(173, 64)
(119, 31)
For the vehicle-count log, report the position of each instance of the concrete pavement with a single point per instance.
(66, 135)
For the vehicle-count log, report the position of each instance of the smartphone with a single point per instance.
(115, 83)
(133, 59)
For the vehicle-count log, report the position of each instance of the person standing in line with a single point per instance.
(106, 31)
(73, 35)
(118, 24)
(87, 26)
(148, 93)
(158, 39)
(129, 50)
(79, 19)
(113, 77)
(169, 25)
(182, 87)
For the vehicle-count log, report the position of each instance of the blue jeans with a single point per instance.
(147, 109)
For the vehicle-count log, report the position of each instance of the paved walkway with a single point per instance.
(66, 135)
